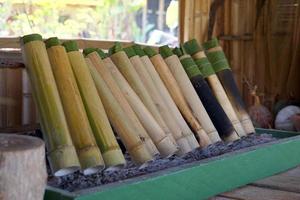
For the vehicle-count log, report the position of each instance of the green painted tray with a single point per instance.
(202, 179)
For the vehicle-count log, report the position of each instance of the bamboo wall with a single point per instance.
(260, 39)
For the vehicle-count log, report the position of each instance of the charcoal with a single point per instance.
(78, 181)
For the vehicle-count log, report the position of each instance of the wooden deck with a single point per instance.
(285, 186)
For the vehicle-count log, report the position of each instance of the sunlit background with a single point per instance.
(147, 21)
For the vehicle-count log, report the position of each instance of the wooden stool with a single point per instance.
(22, 167)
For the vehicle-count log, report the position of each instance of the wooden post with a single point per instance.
(29, 113)
(23, 172)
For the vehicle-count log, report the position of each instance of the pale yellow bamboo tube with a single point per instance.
(222, 98)
(166, 95)
(173, 88)
(190, 95)
(162, 108)
(114, 88)
(94, 108)
(61, 152)
(158, 136)
(122, 124)
(81, 132)
(124, 65)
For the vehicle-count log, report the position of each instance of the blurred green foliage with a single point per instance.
(102, 19)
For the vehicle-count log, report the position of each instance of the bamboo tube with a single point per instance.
(221, 66)
(212, 106)
(172, 86)
(206, 69)
(158, 101)
(124, 65)
(81, 132)
(94, 108)
(189, 93)
(61, 152)
(122, 124)
(163, 90)
(114, 88)
(158, 136)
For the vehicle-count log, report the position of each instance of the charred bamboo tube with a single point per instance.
(122, 124)
(124, 65)
(94, 108)
(114, 88)
(165, 145)
(206, 69)
(158, 101)
(61, 152)
(163, 90)
(172, 86)
(190, 95)
(215, 111)
(217, 58)
(81, 133)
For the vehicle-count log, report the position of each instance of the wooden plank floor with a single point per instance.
(284, 186)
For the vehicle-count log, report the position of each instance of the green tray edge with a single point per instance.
(204, 180)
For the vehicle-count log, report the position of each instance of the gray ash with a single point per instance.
(78, 181)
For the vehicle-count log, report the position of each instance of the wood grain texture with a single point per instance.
(288, 181)
(22, 167)
(254, 193)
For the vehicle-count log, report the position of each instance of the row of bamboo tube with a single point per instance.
(149, 99)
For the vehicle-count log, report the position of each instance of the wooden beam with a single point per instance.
(13, 42)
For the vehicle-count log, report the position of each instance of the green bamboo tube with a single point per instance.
(189, 93)
(114, 88)
(121, 123)
(163, 90)
(124, 65)
(61, 152)
(81, 133)
(158, 101)
(165, 144)
(221, 66)
(172, 86)
(206, 69)
(94, 108)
